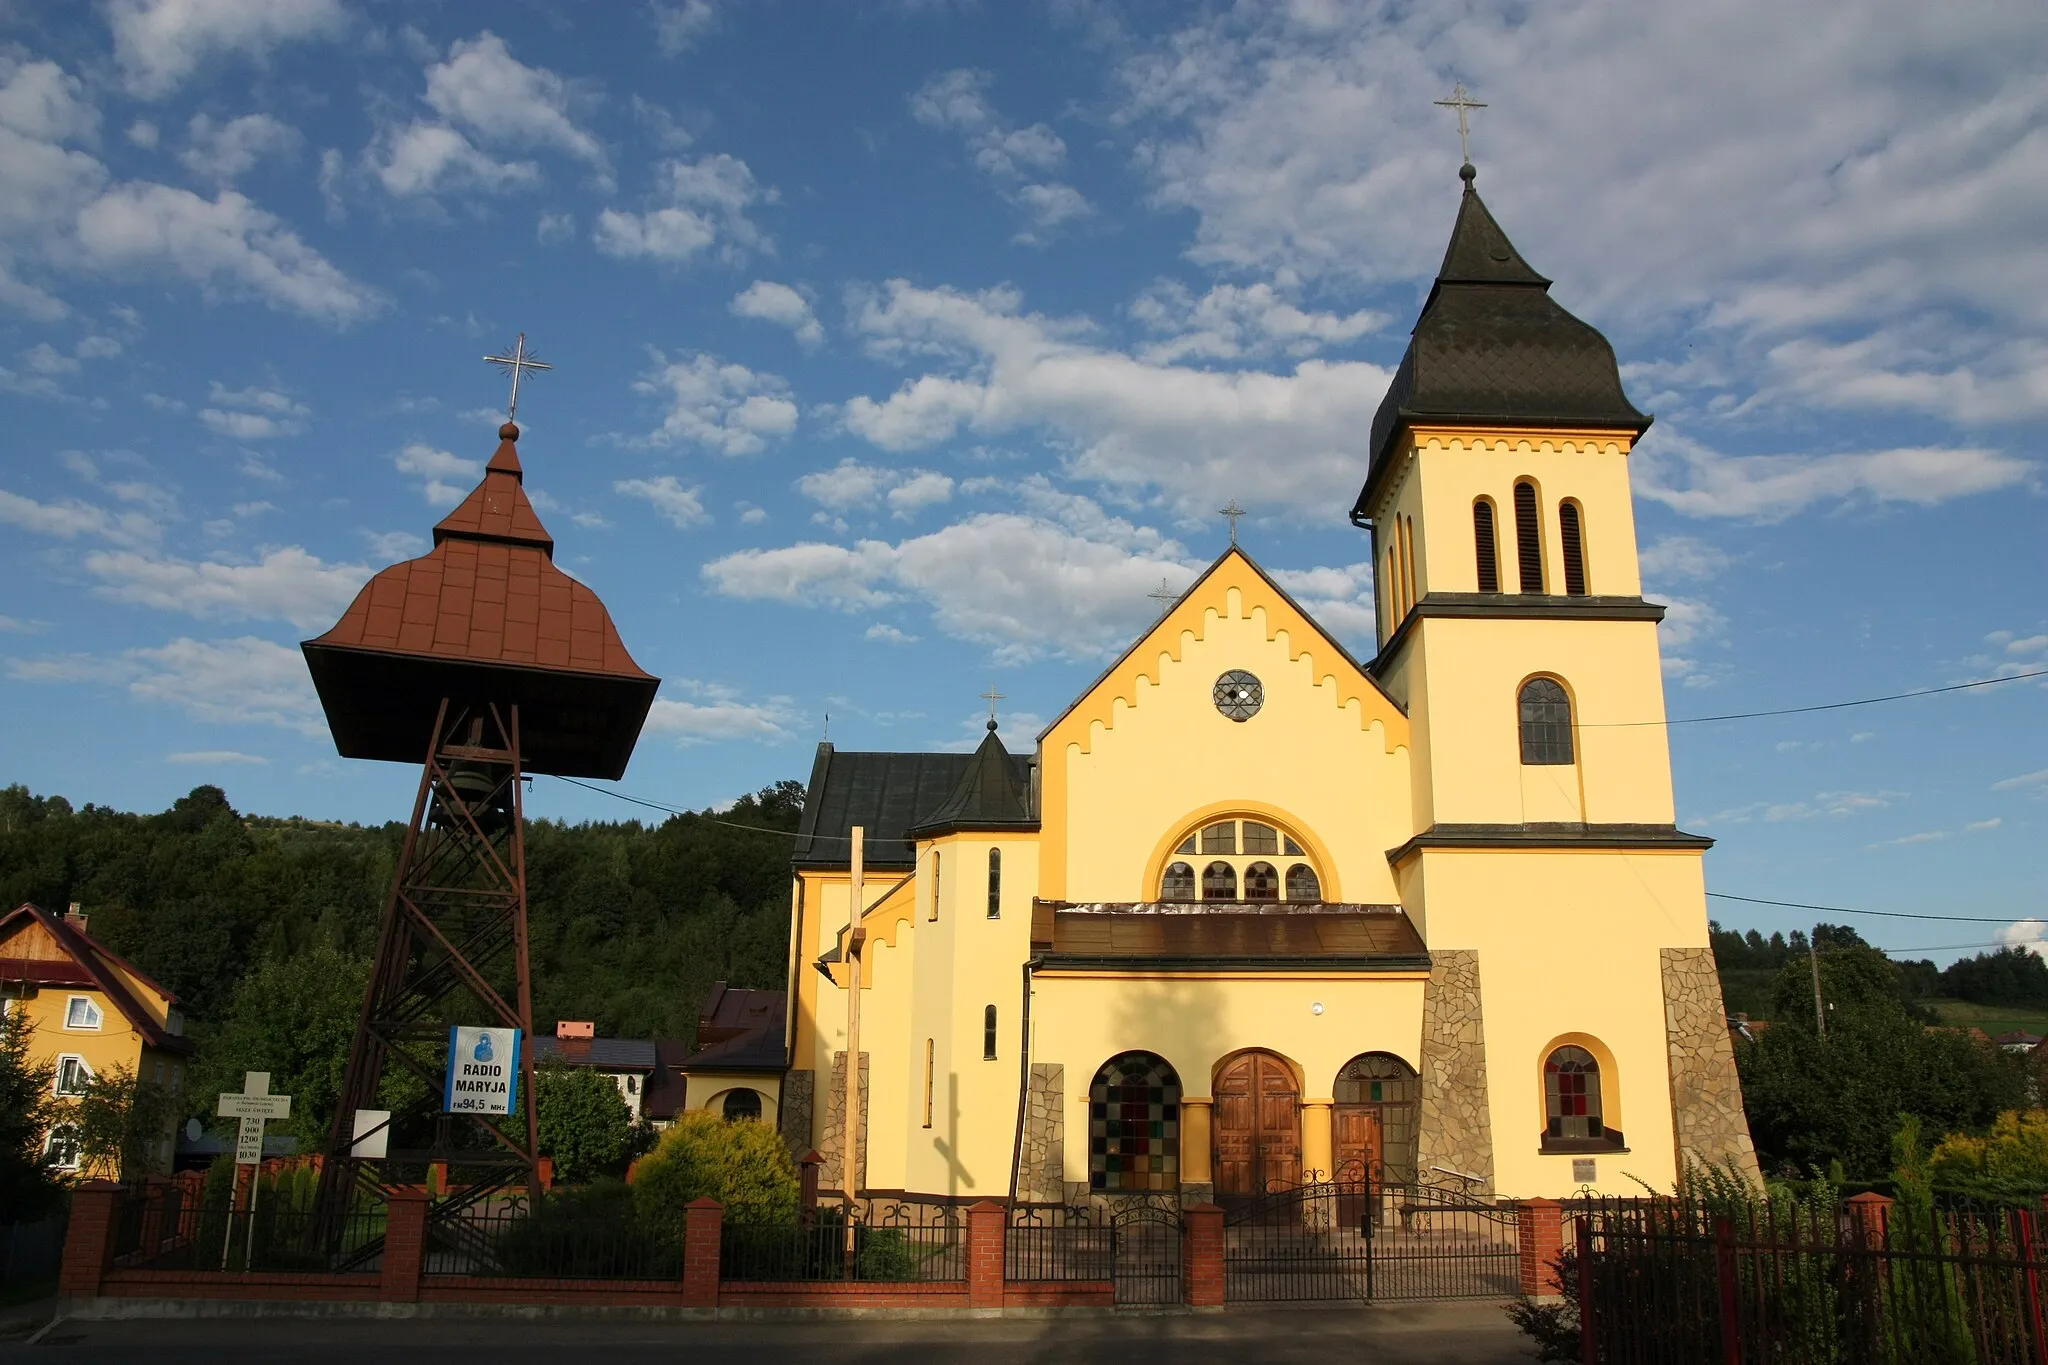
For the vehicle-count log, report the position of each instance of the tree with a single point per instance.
(584, 1122)
(293, 1017)
(26, 1111)
(123, 1125)
(743, 1165)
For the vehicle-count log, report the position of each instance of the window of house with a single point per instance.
(1408, 560)
(988, 1034)
(1134, 1124)
(1177, 883)
(1528, 538)
(82, 1013)
(1241, 864)
(1220, 837)
(1302, 883)
(1219, 882)
(1187, 845)
(1261, 882)
(935, 884)
(1569, 541)
(1260, 838)
(632, 1085)
(1572, 1098)
(1546, 716)
(62, 1147)
(1483, 543)
(73, 1075)
(995, 883)
(743, 1105)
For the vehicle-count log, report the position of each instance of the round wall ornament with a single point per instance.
(1239, 695)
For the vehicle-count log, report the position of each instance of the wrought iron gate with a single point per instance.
(1145, 1233)
(1356, 1240)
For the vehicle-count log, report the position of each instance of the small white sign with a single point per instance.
(372, 1136)
(253, 1106)
(483, 1070)
(249, 1143)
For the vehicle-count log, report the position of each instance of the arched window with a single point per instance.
(935, 884)
(1219, 882)
(1261, 883)
(1408, 560)
(742, 1104)
(1178, 883)
(1546, 722)
(1568, 540)
(1239, 859)
(1483, 543)
(1302, 884)
(1134, 1125)
(995, 883)
(1572, 1099)
(1389, 1093)
(1528, 538)
(988, 1034)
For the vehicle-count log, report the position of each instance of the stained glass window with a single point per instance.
(1546, 722)
(1571, 1093)
(1302, 884)
(1384, 1080)
(1261, 883)
(1220, 837)
(1178, 884)
(1219, 882)
(995, 883)
(1260, 838)
(1134, 1125)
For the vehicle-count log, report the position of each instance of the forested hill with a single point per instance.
(630, 922)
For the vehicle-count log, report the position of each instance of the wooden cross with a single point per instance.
(1461, 102)
(513, 364)
(1231, 513)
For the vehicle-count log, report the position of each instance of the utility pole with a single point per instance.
(1820, 1018)
(854, 935)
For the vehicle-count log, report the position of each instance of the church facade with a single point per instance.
(1257, 912)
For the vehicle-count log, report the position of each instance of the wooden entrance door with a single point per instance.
(1257, 1125)
(1359, 1139)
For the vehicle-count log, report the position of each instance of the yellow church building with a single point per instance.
(1257, 912)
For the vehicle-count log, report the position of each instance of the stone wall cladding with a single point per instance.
(794, 1115)
(1706, 1095)
(1041, 1175)
(1456, 1129)
(829, 1141)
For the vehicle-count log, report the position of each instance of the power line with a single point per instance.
(1845, 910)
(1826, 706)
(677, 810)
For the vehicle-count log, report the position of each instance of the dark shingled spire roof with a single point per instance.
(987, 796)
(1493, 348)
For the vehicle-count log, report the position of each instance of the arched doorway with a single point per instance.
(1258, 1125)
(1374, 1122)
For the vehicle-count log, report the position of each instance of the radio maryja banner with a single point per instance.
(483, 1070)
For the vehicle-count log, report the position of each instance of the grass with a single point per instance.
(1993, 1019)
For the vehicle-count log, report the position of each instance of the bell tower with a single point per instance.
(1511, 618)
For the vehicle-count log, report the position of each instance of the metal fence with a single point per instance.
(1674, 1281)
(1059, 1243)
(172, 1227)
(1368, 1240)
(887, 1241)
(508, 1236)
(32, 1251)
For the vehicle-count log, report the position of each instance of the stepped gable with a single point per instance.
(1492, 348)
(485, 616)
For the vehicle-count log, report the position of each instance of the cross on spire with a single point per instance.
(513, 364)
(1230, 513)
(1462, 102)
(992, 697)
(1164, 595)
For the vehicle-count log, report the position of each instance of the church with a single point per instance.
(1256, 912)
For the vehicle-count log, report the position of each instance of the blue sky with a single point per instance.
(904, 348)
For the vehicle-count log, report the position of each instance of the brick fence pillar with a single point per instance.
(1202, 1255)
(1869, 1214)
(405, 1247)
(985, 1254)
(701, 1237)
(89, 1240)
(1540, 1225)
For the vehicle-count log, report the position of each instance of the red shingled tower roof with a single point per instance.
(485, 616)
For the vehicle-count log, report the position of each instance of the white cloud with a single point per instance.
(850, 484)
(2032, 779)
(1338, 597)
(887, 634)
(680, 26)
(1681, 557)
(245, 426)
(143, 134)
(244, 681)
(71, 518)
(1018, 161)
(555, 228)
(720, 713)
(1232, 322)
(420, 158)
(158, 43)
(436, 467)
(286, 584)
(44, 358)
(222, 151)
(215, 758)
(781, 305)
(1196, 436)
(2031, 934)
(500, 99)
(1836, 804)
(681, 507)
(391, 546)
(1925, 836)
(1978, 826)
(699, 203)
(723, 407)
(1690, 478)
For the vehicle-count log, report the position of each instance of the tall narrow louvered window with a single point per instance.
(995, 883)
(1408, 560)
(1574, 549)
(1546, 716)
(1482, 540)
(1528, 538)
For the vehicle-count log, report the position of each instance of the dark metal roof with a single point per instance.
(601, 1054)
(1493, 347)
(989, 794)
(888, 794)
(748, 1052)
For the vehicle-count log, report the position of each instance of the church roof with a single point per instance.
(889, 795)
(989, 794)
(1492, 347)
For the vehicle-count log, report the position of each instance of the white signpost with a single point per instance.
(255, 1106)
(483, 1070)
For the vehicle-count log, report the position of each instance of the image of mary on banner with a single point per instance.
(483, 1070)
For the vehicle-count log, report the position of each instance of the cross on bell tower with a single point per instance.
(1462, 102)
(519, 360)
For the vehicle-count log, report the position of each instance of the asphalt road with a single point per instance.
(1478, 1333)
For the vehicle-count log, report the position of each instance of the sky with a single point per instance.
(903, 348)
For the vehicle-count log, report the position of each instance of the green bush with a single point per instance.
(744, 1166)
(589, 1232)
(584, 1122)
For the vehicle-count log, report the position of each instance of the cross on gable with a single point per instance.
(1231, 513)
